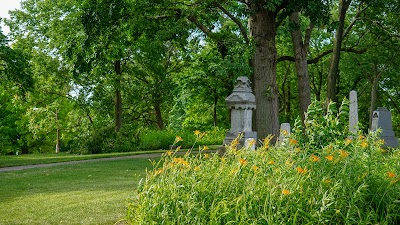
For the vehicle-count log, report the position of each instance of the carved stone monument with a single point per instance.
(382, 119)
(353, 113)
(241, 102)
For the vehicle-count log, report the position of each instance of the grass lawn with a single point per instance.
(87, 193)
(44, 158)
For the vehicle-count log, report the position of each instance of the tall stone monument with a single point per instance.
(241, 102)
(382, 119)
(353, 113)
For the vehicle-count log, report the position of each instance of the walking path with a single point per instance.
(141, 156)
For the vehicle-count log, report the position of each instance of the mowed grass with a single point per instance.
(44, 158)
(86, 193)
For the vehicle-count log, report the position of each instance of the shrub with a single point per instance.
(156, 139)
(346, 182)
(105, 140)
(322, 126)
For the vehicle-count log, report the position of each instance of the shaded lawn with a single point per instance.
(44, 158)
(87, 193)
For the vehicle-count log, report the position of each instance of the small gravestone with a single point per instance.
(353, 113)
(250, 144)
(241, 102)
(284, 132)
(382, 119)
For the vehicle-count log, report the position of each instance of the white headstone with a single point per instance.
(284, 132)
(250, 143)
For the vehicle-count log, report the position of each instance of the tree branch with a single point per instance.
(203, 28)
(316, 59)
(236, 20)
(307, 36)
(244, 2)
(282, 17)
(355, 18)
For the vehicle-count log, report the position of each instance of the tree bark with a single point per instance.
(58, 133)
(215, 107)
(160, 121)
(263, 30)
(374, 92)
(118, 97)
(300, 49)
(334, 67)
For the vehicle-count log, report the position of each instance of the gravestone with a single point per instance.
(241, 102)
(382, 119)
(353, 113)
(284, 132)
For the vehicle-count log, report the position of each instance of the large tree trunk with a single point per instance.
(215, 107)
(263, 30)
(334, 67)
(160, 121)
(286, 94)
(300, 55)
(58, 133)
(374, 92)
(118, 97)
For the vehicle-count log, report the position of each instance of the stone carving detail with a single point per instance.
(241, 102)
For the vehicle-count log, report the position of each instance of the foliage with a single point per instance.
(322, 126)
(178, 62)
(155, 139)
(347, 182)
(105, 140)
(14, 65)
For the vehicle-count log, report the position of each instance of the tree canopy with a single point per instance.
(74, 73)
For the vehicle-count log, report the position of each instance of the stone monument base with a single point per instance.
(230, 136)
(390, 141)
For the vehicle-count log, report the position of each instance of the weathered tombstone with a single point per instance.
(241, 102)
(353, 113)
(250, 143)
(284, 132)
(382, 119)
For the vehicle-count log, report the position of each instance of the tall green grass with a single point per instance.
(346, 182)
(315, 176)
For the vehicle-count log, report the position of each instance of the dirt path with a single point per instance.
(141, 156)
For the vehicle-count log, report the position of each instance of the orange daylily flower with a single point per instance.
(330, 157)
(301, 170)
(364, 144)
(314, 158)
(243, 162)
(391, 174)
(343, 153)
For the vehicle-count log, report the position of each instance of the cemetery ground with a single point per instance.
(46, 158)
(85, 193)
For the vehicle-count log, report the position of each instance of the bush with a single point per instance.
(156, 139)
(322, 126)
(105, 140)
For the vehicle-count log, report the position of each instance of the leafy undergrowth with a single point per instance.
(349, 181)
